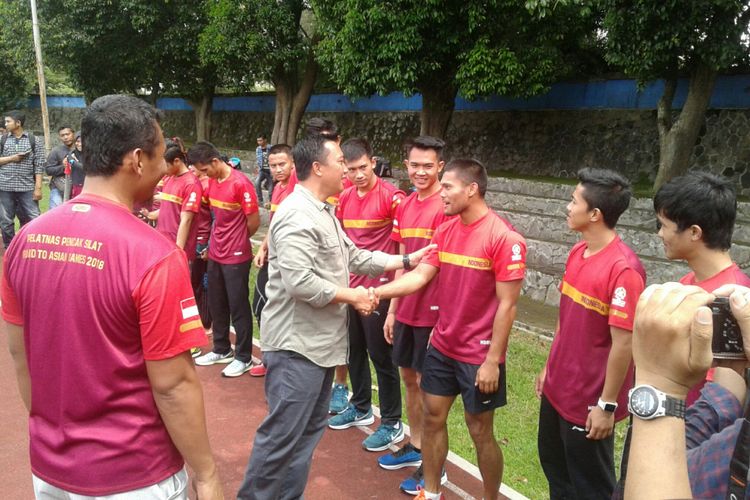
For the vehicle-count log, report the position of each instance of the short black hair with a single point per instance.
(469, 170)
(606, 190)
(113, 126)
(703, 199)
(307, 151)
(426, 142)
(65, 127)
(356, 148)
(280, 148)
(262, 136)
(174, 149)
(16, 116)
(203, 152)
(321, 126)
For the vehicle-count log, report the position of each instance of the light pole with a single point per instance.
(40, 76)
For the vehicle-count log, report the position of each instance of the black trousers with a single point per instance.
(228, 299)
(576, 467)
(198, 269)
(259, 295)
(366, 337)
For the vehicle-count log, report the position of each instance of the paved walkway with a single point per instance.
(235, 407)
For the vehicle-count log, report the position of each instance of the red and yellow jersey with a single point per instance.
(472, 259)
(180, 193)
(368, 221)
(126, 296)
(204, 215)
(280, 193)
(597, 292)
(414, 226)
(231, 201)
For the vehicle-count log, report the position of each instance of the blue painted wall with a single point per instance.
(731, 92)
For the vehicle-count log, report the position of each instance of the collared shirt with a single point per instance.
(712, 426)
(19, 176)
(309, 258)
(261, 157)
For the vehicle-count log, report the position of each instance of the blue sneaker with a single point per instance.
(384, 437)
(339, 399)
(408, 456)
(350, 417)
(412, 484)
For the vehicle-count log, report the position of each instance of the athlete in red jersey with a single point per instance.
(235, 210)
(480, 261)
(282, 168)
(584, 385)
(410, 319)
(181, 199)
(366, 211)
(695, 216)
(119, 400)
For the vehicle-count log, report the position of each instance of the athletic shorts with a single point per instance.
(444, 376)
(410, 345)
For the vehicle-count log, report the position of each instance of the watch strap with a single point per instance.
(406, 261)
(674, 407)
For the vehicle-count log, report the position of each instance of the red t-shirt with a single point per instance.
(232, 200)
(414, 225)
(732, 275)
(98, 293)
(597, 292)
(181, 193)
(472, 259)
(280, 193)
(368, 221)
(204, 215)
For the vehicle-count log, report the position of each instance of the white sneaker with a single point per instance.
(236, 368)
(213, 358)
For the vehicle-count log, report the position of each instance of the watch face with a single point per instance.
(644, 402)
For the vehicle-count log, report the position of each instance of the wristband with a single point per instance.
(406, 262)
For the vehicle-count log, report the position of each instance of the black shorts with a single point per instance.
(444, 376)
(410, 345)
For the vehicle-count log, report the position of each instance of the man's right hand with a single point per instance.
(390, 320)
(260, 258)
(365, 301)
(539, 382)
(208, 489)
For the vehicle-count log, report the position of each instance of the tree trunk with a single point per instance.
(284, 97)
(203, 110)
(302, 97)
(677, 141)
(437, 108)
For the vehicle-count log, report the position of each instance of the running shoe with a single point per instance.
(351, 417)
(384, 437)
(237, 368)
(258, 370)
(413, 483)
(339, 399)
(213, 358)
(408, 456)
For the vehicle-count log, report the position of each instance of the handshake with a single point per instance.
(365, 300)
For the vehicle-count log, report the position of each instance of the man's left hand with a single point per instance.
(487, 377)
(599, 423)
(37, 194)
(416, 257)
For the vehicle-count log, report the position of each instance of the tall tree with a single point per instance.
(666, 39)
(16, 55)
(440, 48)
(266, 40)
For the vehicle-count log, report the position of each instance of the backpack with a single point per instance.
(32, 142)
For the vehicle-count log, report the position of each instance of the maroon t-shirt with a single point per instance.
(98, 293)
(231, 200)
(181, 193)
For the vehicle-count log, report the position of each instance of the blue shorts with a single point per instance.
(445, 376)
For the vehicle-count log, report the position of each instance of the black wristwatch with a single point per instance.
(405, 260)
(647, 402)
(607, 406)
